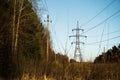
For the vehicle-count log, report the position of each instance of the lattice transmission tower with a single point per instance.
(77, 42)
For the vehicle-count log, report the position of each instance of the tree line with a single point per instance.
(110, 56)
(23, 42)
(23, 46)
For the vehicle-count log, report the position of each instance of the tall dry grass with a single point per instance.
(81, 71)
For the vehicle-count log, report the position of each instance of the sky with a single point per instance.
(100, 20)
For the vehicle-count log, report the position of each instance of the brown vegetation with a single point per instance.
(23, 55)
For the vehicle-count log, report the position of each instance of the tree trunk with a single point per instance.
(13, 26)
(18, 25)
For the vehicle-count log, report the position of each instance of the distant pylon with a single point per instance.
(77, 42)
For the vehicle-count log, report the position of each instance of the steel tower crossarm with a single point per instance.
(77, 42)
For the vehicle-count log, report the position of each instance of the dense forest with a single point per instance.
(23, 50)
(110, 56)
(23, 41)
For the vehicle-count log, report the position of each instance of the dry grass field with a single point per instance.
(82, 71)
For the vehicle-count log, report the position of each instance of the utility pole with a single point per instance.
(48, 37)
(47, 44)
(77, 42)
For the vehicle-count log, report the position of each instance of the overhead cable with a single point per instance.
(98, 13)
(116, 31)
(102, 21)
(103, 40)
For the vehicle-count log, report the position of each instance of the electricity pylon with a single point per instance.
(77, 42)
